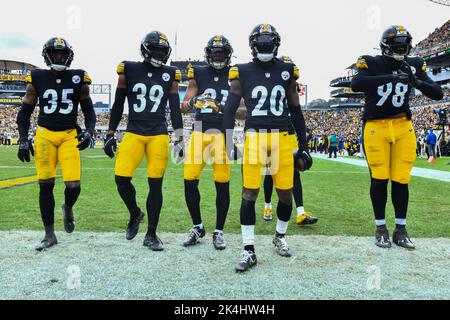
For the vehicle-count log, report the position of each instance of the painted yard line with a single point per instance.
(417, 172)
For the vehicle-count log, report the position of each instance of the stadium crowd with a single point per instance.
(345, 124)
(437, 41)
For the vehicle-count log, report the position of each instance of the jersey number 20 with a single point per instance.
(276, 107)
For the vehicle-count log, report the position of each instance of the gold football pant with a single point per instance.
(390, 148)
(53, 147)
(204, 147)
(259, 146)
(132, 150)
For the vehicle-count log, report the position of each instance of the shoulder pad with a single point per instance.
(86, 78)
(121, 68)
(233, 74)
(361, 63)
(296, 72)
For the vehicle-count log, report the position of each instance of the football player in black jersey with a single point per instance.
(148, 86)
(303, 217)
(389, 140)
(268, 87)
(58, 91)
(207, 139)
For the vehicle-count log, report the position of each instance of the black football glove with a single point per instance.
(25, 148)
(203, 101)
(110, 146)
(178, 151)
(85, 139)
(302, 159)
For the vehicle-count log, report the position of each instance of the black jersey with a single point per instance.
(387, 99)
(215, 82)
(59, 97)
(264, 89)
(148, 89)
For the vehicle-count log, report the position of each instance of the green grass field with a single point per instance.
(337, 193)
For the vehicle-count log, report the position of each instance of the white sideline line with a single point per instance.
(417, 172)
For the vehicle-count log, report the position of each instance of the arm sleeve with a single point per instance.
(429, 88)
(363, 81)
(175, 111)
(298, 122)
(23, 119)
(117, 109)
(231, 107)
(89, 114)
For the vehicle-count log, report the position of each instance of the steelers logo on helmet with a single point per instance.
(155, 48)
(396, 43)
(58, 54)
(264, 42)
(218, 52)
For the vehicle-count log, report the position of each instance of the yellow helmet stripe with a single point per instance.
(59, 41)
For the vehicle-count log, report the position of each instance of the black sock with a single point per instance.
(71, 196)
(248, 213)
(284, 211)
(222, 203)
(154, 204)
(400, 199)
(47, 203)
(128, 194)
(250, 248)
(192, 196)
(297, 191)
(378, 195)
(268, 188)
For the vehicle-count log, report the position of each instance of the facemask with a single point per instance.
(58, 67)
(156, 63)
(218, 65)
(264, 57)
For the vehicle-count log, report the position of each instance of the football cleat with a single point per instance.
(281, 246)
(47, 242)
(305, 219)
(153, 242)
(400, 237)
(133, 226)
(248, 260)
(69, 223)
(194, 236)
(382, 237)
(267, 214)
(218, 241)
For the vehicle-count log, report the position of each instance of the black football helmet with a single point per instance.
(218, 52)
(396, 43)
(58, 54)
(155, 48)
(264, 42)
